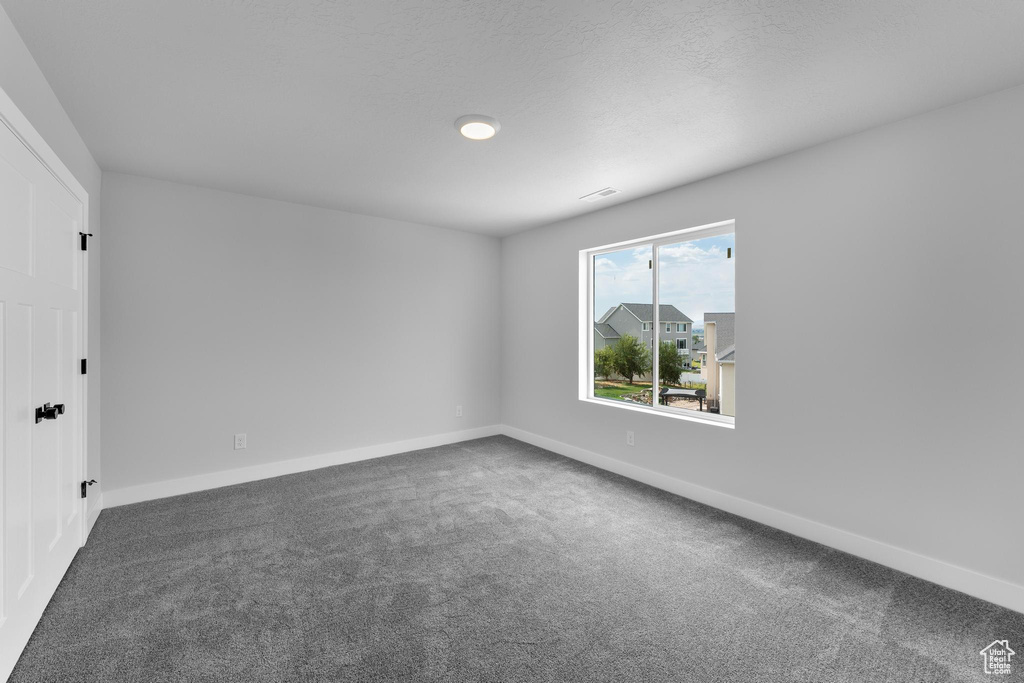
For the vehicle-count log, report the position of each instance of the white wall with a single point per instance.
(313, 331)
(24, 83)
(895, 240)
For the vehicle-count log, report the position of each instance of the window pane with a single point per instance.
(623, 324)
(697, 292)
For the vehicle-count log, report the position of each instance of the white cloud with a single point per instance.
(695, 280)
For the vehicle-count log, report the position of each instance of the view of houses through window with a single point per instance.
(623, 332)
(693, 354)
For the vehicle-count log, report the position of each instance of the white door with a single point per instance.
(41, 322)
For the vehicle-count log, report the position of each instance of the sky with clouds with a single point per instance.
(696, 277)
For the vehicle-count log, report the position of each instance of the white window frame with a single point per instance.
(680, 328)
(646, 327)
(678, 340)
(586, 321)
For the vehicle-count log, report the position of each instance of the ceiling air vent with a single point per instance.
(600, 194)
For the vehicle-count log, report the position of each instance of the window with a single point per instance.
(686, 276)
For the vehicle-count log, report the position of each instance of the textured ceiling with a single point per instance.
(351, 105)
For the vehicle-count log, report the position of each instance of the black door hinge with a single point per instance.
(85, 240)
(84, 363)
(85, 487)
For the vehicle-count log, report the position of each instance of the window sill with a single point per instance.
(706, 418)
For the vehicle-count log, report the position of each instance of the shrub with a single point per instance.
(604, 361)
(670, 363)
(631, 358)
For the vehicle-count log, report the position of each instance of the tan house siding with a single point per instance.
(709, 370)
(727, 380)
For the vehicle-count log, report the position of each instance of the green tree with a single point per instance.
(631, 358)
(604, 361)
(670, 363)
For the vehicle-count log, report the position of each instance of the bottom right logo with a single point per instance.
(997, 657)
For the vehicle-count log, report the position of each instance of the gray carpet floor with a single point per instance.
(488, 560)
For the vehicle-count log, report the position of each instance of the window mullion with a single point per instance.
(590, 326)
(655, 332)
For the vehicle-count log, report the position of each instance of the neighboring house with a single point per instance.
(718, 361)
(604, 335)
(638, 320)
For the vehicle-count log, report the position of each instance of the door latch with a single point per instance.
(85, 487)
(48, 412)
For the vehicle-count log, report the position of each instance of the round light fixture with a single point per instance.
(477, 126)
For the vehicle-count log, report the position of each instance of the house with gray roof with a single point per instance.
(718, 361)
(725, 329)
(638, 320)
(604, 335)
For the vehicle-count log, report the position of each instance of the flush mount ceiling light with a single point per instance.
(477, 126)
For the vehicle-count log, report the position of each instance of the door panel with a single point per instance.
(46, 434)
(56, 239)
(70, 424)
(16, 217)
(18, 552)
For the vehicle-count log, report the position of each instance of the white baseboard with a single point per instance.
(213, 480)
(965, 580)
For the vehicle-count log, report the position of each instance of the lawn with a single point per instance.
(616, 389)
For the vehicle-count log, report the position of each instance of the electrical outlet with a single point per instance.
(629, 439)
(458, 411)
(239, 441)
